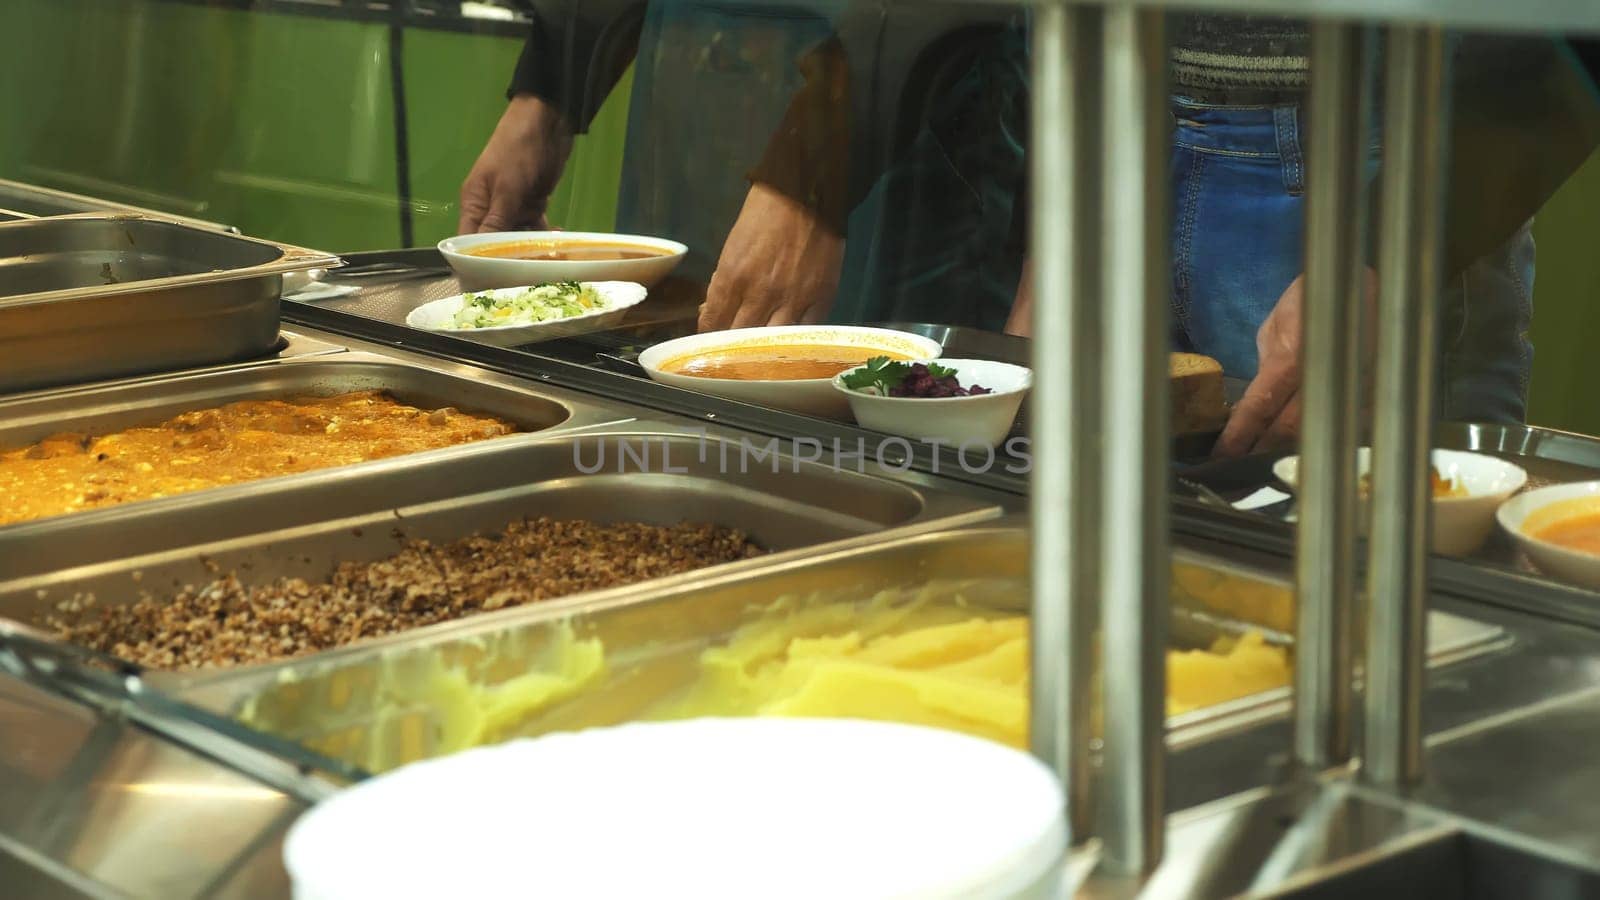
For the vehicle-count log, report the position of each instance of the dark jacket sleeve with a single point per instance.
(576, 52)
(1525, 117)
(808, 157)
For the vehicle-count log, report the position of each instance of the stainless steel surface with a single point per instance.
(85, 298)
(1135, 286)
(1064, 493)
(1412, 206)
(31, 200)
(26, 546)
(662, 478)
(99, 807)
(290, 344)
(974, 343)
(1534, 15)
(1325, 549)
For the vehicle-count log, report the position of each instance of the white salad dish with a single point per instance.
(439, 315)
(810, 396)
(980, 420)
(1546, 506)
(1460, 524)
(478, 273)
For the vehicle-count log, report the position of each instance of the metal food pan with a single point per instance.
(374, 705)
(800, 506)
(26, 546)
(97, 296)
(32, 201)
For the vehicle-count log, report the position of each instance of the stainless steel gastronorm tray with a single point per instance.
(652, 640)
(151, 525)
(656, 478)
(97, 296)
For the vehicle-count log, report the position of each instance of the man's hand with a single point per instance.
(779, 266)
(510, 184)
(1020, 322)
(1268, 415)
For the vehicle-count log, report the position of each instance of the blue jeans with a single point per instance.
(1238, 187)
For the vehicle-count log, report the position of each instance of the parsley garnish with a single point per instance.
(880, 373)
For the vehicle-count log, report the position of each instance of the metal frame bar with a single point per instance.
(1325, 570)
(1135, 290)
(1412, 209)
(1065, 499)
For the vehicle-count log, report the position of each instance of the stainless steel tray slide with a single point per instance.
(96, 296)
(96, 806)
(385, 703)
(26, 547)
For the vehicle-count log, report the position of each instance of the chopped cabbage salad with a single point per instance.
(543, 303)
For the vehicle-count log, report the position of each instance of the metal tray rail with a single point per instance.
(367, 704)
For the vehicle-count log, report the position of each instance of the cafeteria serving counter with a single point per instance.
(104, 750)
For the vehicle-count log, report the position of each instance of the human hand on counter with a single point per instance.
(1020, 322)
(511, 182)
(1268, 415)
(779, 266)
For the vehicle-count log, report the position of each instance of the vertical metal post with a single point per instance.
(1066, 413)
(1412, 210)
(1325, 577)
(1135, 290)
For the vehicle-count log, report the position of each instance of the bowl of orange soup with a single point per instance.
(788, 367)
(1558, 527)
(501, 259)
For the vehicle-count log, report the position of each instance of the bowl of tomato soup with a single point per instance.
(1558, 527)
(503, 259)
(788, 367)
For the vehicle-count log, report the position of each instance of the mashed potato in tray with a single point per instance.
(932, 654)
(943, 666)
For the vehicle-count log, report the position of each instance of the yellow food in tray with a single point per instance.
(207, 448)
(944, 667)
(920, 655)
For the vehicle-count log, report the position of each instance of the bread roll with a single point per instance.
(1197, 400)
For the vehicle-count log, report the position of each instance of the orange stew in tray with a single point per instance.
(207, 448)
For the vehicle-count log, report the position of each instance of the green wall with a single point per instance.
(280, 124)
(1566, 307)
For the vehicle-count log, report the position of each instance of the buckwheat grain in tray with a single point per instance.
(225, 623)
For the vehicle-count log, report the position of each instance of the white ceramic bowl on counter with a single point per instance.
(810, 396)
(1545, 506)
(620, 296)
(477, 273)
(981, 420)
(1460, 524)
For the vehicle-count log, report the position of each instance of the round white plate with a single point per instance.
(708, 808)
(620, 296)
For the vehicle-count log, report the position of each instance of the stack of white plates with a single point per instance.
(711, 808)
